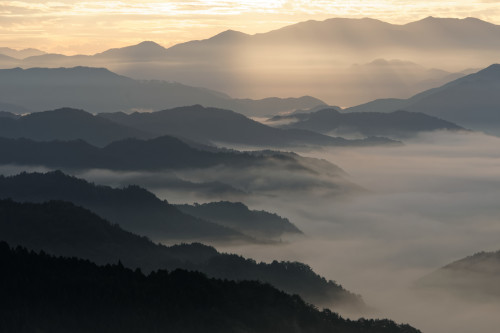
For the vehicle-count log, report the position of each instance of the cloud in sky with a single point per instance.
(92, 26)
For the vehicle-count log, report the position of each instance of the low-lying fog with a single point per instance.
(429, 202)
(432, 201)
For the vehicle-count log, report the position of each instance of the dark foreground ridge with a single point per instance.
(63, 229)
(47, 294)
(133, 208)
(140, 211)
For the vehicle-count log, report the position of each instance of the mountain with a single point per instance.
(195, 123)
(235, 215)
(131, 154)
(20, 54)
(67, 124)
(390, 77)
(140, 211)
(63, 229)
(224, 126)
(8, 61)
(45, 293)
(99, 90)
(144, 51)
(472, 101)
(132, 207)
(475, 277)
(309, 58)
(159, 158)
(397, 124)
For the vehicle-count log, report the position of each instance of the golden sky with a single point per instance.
(73, 26)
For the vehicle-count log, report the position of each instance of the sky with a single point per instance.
(91, 26)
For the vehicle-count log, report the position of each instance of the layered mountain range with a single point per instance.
(337, 60)
(64, 229)
(99, 90)
(472, 101)
(397, 124)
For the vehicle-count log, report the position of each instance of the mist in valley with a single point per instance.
(376, 220)
(429, 202)
(423, 205)
(364, 149)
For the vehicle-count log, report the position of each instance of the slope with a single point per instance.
(45, 293)
(99, 90)
(133, 208)
(235, 215)
(472, 101)
(63, 229)
(397, 124)
(67, 124)
(224, 126)
(474, 278)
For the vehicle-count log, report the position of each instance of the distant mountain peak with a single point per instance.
(148, 43)
(229, 35)
(20, 54)
(143, 49)
(444, 20)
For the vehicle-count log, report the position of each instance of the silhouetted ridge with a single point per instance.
(236, 215)
(60, 228)
(67, 124)
(129, 154)
(203, 124)
(142, 52)
(133, 208)
(396, 124)
(472, 101)
(99, 90)
(43, 293)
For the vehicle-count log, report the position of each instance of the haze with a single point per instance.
(360, 138)
(431, 202)
(87, 27)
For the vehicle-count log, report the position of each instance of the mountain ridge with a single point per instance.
(101, 90)
(50, 227)
(221, 61)
(471, 101)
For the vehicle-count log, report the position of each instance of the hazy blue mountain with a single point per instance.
(308, 58)
(132, 207)
(20, 54)
(235, 215)
(476, 277)
(63, 229)
(144, 51)
(397, 124)
(472, 101)
(161, 156)
(195, 123)
(131, 154)
(45, 293)
(224, 126)
(7, 61)
(99, 90)
(392, 77)
(372, 34)
(67, 124)
(380, 105)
